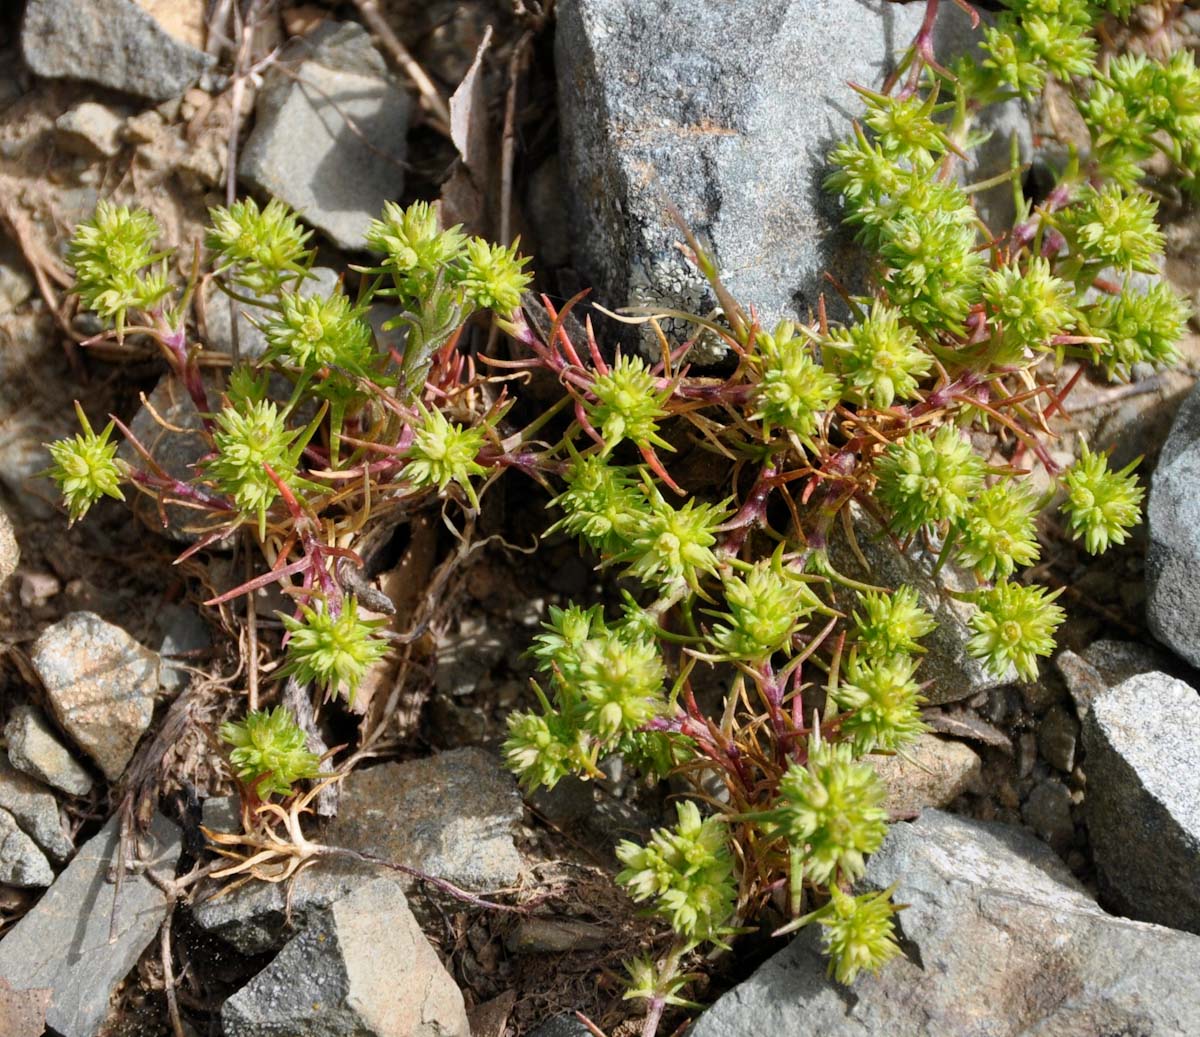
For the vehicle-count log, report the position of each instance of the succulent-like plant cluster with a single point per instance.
(924, 411)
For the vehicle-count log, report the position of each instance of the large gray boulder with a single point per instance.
(1173, 552)
(329, 134)
(999, 941)
(728, 111)
(79, 941)
(1142, 740)
(362, 968)
(111, 42)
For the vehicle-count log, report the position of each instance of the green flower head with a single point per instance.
(879, 358)
(110, 254)
(443, 453)
(997, 535)
(1029, 305)
(1139, 328)
(601, 503)
(1101, 505)
(249, 436)
(492, 276)
(858, 933)
(86, 468)
(270, 752)
(332, 650)
(416, 249)
(1112, 227)
(831, 809)
(542, 749)
(926, 479)
(688, 871)
(1013, 625)
(671, 546)
(766, 606)
(891, 624)
(793, 392)
(312, 332)
(628, 405)
(884, 702)
(264, 247)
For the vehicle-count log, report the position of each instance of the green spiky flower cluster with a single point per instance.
(857, 933)
(86, 468)
(1014, 624)
(927, 480)
(113, 257)
(1101, 505)
(269, 751)
(332, 648)
(687, 871)
(443, 452)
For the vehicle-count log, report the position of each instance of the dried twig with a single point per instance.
(431, 97)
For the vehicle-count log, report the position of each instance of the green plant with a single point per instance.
(269, 751)
(924, 411)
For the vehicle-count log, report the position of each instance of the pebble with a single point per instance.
(101, 685)
(34, 748)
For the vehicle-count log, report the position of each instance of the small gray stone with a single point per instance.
(63, 943)
(1083, 680)
(184, 632)
(35, 749)
(89, 129)
(362, 967)
(1048, 812)
(1058, 736)
(10, 553)
(252, 343)
(35, 810)
(562, 1026)
(450, 816)
(572, 799)
(329, 136)
(262, 916)
(1142, 807)
(111, 42)
(1173, 552)
(16, 285)
(101, 685)
(21, 862)
(1000, 941)
(931, 773)
(953, 674)
(222, 814)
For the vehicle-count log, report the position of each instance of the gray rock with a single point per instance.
(35, 749)
(363, 968)
(1000, 941)
(953, 674)
(111, 42)
(1082, 679)
(222, 814)
(89, 129)
(184, 631)
(252, 343)
(450, 815)
(176, 452)
(1173, 552)
(15, 283)
(63, 943)
(931, 773)
(329, 139)
(35, 810)
(10, 553)
(1117, 661)
(1048, 812)
(561, 1026)
(1058, 737)
(262, 916)
(658, 109)
(101, 685)
(21, 862)
(1142, 740)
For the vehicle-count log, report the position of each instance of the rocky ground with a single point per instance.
(1052, 862)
